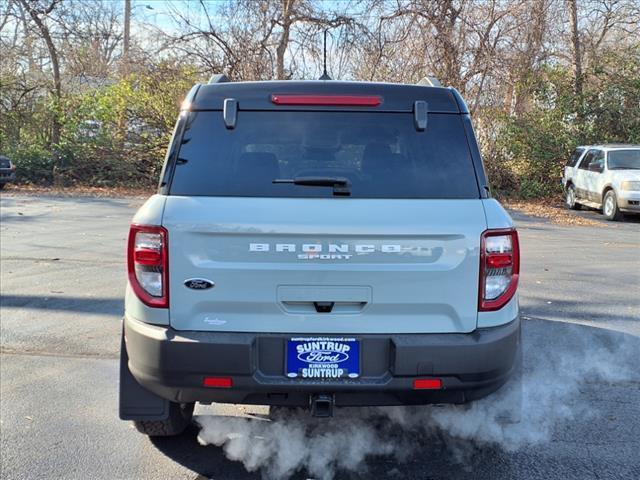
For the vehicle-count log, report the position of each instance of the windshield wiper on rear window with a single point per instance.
(341, 186)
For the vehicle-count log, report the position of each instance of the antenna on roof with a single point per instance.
(325, 76)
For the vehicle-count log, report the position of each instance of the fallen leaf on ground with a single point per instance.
(552, 209)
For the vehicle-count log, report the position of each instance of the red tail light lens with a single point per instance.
(148, 264)
(499, 268)
(328, 100)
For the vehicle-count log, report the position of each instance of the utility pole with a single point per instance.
(127, 35)
(575, 41)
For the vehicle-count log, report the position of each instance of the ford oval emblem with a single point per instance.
(198, 284)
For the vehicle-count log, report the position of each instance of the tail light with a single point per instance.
(499, 268)
(148, 263)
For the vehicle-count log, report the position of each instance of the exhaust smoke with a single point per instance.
(558, 359)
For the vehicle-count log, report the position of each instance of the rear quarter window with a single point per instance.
(575, 156)
(381, 154)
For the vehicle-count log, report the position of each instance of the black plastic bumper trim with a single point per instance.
(172, 365)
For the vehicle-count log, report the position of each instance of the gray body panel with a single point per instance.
(390, 266)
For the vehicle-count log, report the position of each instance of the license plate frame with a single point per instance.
(322, 358)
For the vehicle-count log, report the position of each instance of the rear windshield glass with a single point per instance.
(575, 156)
(624, 160)
(381, 154)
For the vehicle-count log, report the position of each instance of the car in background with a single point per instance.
(605, 177)
(7, 171)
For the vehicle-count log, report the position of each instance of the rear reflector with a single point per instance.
(328, 100)
(217, 382)
(427, 384)
(147, 256)
(499, 260)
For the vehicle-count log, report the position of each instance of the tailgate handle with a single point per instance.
(311, 299)
(323, 307)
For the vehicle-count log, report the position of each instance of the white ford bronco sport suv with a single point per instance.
(318, 243)
(605, 177)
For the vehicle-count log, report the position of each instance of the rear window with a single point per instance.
(575, 156)
(381, 154)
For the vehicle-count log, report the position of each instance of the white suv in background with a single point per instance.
(606, 177)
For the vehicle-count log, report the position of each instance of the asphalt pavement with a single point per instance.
(62, 276)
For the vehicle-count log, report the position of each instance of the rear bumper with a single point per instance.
(172, 365)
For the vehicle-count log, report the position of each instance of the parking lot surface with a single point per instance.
(62, 280)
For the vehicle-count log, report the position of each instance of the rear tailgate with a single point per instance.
(279, 264)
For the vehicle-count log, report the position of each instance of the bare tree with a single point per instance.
(575, 43)
(38, 14)
(91, 36)
(127, 33)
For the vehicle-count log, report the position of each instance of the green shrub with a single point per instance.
(118, 134)
(528, 152)
(34, 164)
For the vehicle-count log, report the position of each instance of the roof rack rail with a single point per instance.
(218, 78)
(427, 81)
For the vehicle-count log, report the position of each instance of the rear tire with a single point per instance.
(610, 208)
(570, 199)
(180, 415)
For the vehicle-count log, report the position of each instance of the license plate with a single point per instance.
(321, 358)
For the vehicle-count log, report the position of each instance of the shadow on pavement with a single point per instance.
(112, 306)
(210, 462)
(570, 310)
(207, 462)
(593, 214)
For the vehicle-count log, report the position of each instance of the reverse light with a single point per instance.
(427, 384)
(499, 268)
(217, 382)
(328, 100)
(148, 263)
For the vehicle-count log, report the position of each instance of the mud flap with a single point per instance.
(136, 402)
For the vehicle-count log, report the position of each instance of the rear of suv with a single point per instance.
(318, 244)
